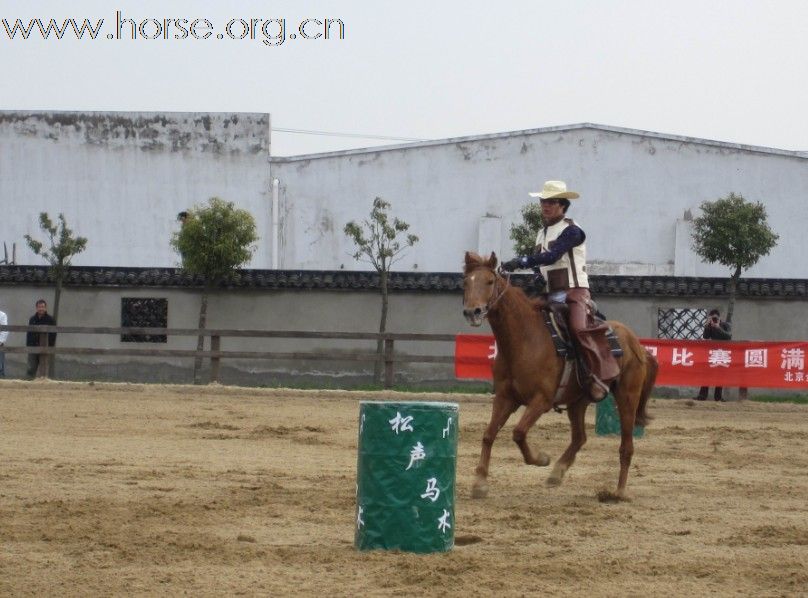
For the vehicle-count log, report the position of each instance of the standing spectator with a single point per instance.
(718, 330)
(40, 318)
(3, 339)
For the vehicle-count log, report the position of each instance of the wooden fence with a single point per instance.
(215, 354)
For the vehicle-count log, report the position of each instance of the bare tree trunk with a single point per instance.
(378, 366)
(733, 287)
(57, 298)
(743, 393)
(200, 340)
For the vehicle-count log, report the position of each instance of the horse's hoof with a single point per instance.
(611, 497)
(553, 482)
(543, 460)
(479, 490)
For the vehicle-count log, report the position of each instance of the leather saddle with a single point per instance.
(556, 318)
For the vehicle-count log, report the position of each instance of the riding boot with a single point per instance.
(594, 346)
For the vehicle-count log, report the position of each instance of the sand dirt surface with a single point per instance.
(115, 489)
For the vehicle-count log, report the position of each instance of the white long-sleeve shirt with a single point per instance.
(3, 333)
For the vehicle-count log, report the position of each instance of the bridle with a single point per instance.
(500, 273)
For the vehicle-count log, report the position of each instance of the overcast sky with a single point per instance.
(734, 70)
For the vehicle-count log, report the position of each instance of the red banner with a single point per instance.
(764, 364)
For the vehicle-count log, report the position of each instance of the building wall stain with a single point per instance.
(465, 150)
(322, 228)
(219, 133)
(480, 151)
(364, 160)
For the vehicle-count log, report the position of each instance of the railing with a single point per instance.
(215, 354)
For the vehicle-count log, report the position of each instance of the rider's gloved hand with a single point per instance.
(511, 265)
(518, 263)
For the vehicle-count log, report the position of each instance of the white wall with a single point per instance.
(634, 188)
(120, 178)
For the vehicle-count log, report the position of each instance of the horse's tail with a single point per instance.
(651, 368)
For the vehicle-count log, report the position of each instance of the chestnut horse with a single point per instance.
(527, 371)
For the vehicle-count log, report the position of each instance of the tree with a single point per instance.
(213, 242)
(524, 234)
(734, 233)
(63, 246)
(377, 243)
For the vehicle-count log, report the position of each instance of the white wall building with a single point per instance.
(120, 178)
(638, 192)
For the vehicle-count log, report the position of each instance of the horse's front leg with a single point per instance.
(501, 410)
(576, 411)
(534, 410)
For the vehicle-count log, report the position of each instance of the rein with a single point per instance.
(493, 301)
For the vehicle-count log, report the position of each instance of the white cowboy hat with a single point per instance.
(555, 190)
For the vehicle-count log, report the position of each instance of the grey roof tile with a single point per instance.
(85, 276)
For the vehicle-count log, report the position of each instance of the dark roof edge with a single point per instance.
(603, 286)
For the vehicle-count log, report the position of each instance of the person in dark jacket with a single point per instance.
(718, 330)
(40, 318)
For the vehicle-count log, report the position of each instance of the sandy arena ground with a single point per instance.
(134, 490)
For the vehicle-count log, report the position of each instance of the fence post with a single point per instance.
(215, 361)
(44, 358)
(388, 363)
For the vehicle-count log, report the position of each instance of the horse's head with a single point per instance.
(480, 287)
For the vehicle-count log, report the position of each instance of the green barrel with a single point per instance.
(607, 420)
(405, 491)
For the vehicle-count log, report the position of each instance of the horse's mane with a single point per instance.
(537, 303)
(534, 303)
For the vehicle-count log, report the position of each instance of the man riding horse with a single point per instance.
(560, 253)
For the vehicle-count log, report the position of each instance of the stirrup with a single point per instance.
(594, 382)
